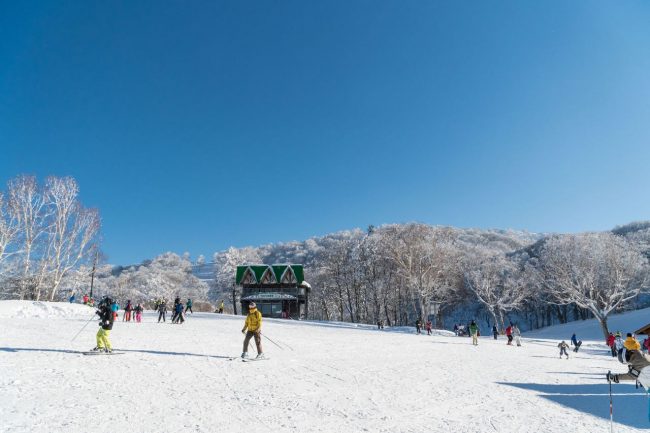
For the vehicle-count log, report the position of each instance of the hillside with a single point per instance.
(324, 377)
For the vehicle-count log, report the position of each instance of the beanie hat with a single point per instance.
(252, 305)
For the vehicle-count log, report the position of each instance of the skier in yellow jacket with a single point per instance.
(253, 329)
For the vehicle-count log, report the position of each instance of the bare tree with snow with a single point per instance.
(596, 271)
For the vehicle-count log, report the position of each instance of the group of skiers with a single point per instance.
(132, 312)
(631, 353)
(418, 326)
(106, 311)
(177, 309)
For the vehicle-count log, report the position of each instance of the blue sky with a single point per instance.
(194, 126)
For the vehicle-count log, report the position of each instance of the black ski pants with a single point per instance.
(189, 309)
(161, 316)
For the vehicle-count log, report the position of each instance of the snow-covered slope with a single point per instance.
(320, 378)
(591, 330)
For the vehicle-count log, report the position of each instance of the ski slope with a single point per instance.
(328, 377)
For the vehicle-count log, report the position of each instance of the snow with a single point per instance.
(326, 377)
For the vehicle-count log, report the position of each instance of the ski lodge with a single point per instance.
(278, 290)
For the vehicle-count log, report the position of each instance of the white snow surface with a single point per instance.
(328, 377)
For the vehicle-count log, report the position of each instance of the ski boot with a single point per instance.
(96, 349)
(260, 356)
(244, 355)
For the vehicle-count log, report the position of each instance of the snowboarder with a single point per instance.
(418, 326)
(638, 368)
(253, 329)
(105, 325)
(188, 306)
(575, 343)
(428, 326)
(473, 331)
(563, 347)
(127, 311)
(509, 334)
(517, 333)
(495, 331)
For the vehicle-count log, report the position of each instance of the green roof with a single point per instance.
(278, 271)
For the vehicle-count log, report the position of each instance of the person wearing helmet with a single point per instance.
(253, 329)
(563, 349)
(106, 324)
(638, 365)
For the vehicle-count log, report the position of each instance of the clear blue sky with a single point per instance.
(194, 126)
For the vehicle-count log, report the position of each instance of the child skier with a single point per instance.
(138, 312)
(563, 347)
(473, 331)
(253, 329)
(106, 324)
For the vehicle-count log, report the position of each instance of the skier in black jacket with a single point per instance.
(162, 310)
(106, 324)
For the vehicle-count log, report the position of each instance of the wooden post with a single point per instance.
(234, 299)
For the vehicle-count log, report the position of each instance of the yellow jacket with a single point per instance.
(631, 344)
(254, 321)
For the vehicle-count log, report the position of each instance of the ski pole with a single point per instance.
(611, 405)
(282, 348)
(84, 327)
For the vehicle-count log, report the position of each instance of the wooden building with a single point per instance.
(278, 290)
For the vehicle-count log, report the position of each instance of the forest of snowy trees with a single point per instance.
(398, 272)
(49, 249)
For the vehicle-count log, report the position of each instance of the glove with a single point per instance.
(612, 377)
(243, 331)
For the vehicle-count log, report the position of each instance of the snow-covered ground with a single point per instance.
(328, 377)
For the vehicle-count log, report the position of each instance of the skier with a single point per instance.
(473, 331)
(495, 331)
(221, 308)
(138, 313)
(618, 342)
(517, 333)
(106, 324)
(418, 326)
(115, 308)
(631, 343)
(162, 310)
(71, 299)
(188, 306)
(253, 329)
(646, 345)
(610, 343)
(638, 368)
(428, 326)
(178, 313)
(85, 299)
(563, 347)
(127, 311)
(509, 334)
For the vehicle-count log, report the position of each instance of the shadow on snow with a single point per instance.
(153, 352)
(630, 404)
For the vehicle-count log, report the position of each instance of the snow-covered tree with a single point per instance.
(596, 271)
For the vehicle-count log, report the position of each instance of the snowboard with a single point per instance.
(103, 353)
